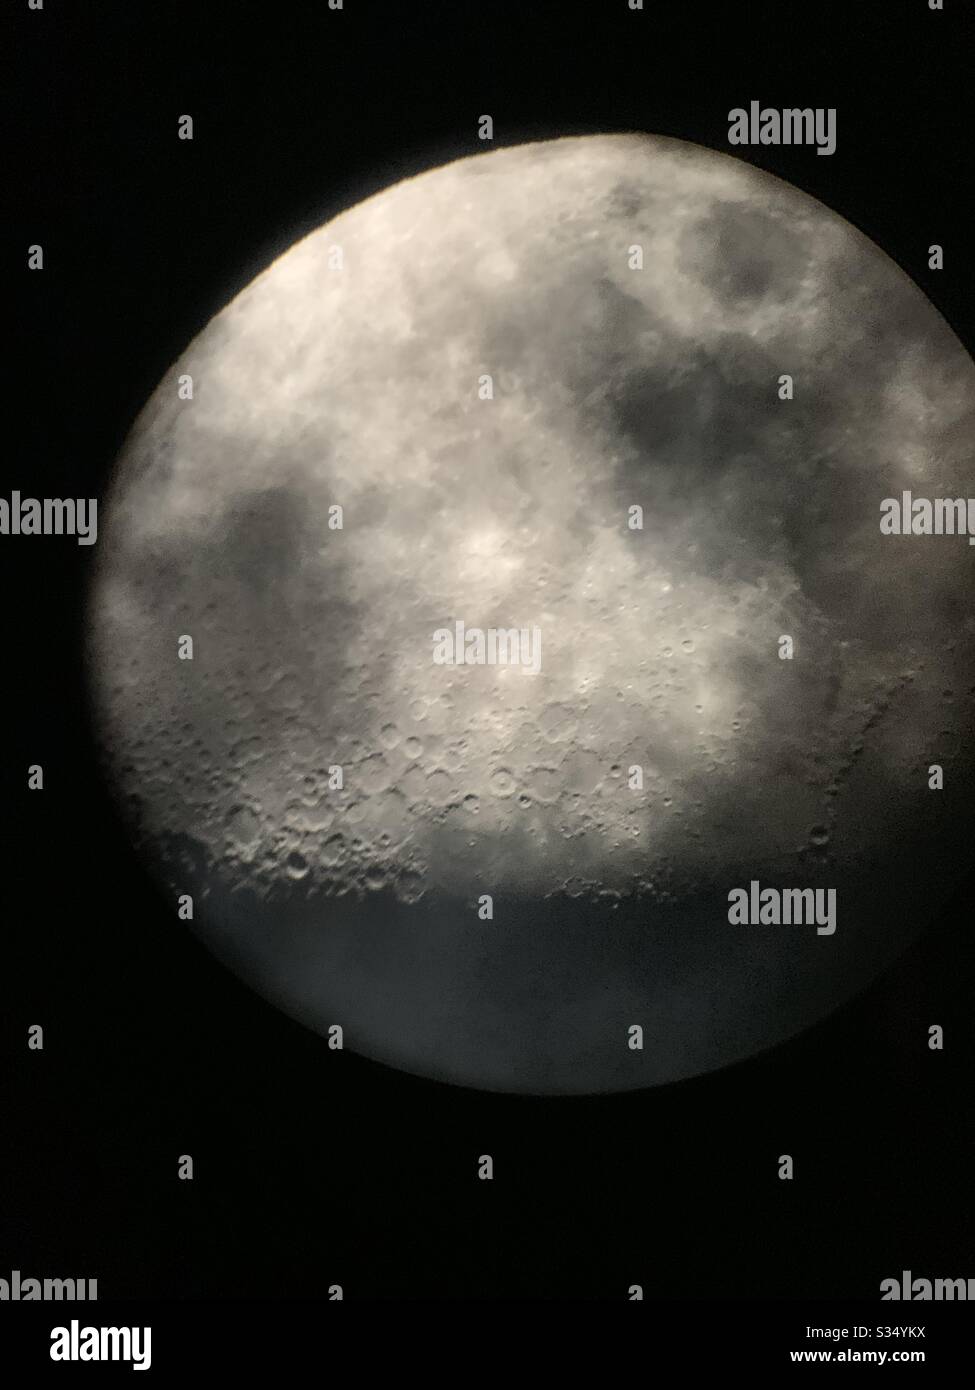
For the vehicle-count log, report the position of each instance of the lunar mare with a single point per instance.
(613, 387)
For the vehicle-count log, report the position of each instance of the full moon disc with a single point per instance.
(639, 399)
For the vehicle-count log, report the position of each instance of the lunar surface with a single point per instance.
(477, 369)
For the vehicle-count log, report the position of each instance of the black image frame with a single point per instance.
(311, 1170)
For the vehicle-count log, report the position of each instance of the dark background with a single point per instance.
(314, 1167)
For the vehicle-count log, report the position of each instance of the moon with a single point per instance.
(446, 405)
